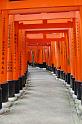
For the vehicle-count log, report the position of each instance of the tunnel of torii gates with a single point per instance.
(42, 33)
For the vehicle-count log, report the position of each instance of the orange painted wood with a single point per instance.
(80, 46)
(3, 4)
(57, 51)
(47, 54)
(51, 17)
(42, 4)
(67, 53)
(44, 53)
(48, 40)
(73, 55)
(61, 55)
(3, 46)
(46, 31)
(40, 60)
(75, 49)
(64, 55)
(53, 54)
(24, 54)
(15, 53)
(43, 10)
(9, 48)
(48, 25)
(20, 51)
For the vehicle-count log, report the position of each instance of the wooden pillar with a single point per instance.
(19, 57)
(40, 56)
(57, 53)
(46, 52)
(10, 55)
(44, 57)
(74, 56)
(62, 73)
(78, 44)
(72, 44)
(79, 54)
(47, 55)
(23, 57)
(80, 47)
(67, 58)
(52, 54)
(3, 54)
(62, 59)
(15, 58)
(49, 58)
(54, 57)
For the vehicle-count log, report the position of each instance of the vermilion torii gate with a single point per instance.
(64, 55)
(46, 25)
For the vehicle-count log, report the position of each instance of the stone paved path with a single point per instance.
(46, 101)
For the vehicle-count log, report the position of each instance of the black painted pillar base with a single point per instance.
(23, 81)
(72, 81)
(46, 67)
(61, 74)
(25, 77)
(58, 73)
(39, 65)
(11, 88)
(65, 77)
(0, 98)
(36, 64)
(5, 89)
(17, 86)
(75, 87)
(29, 63)
(78, 90)
(54, 69)
(68, 78)
(49, 68)
(44, 64)
(81, 93)
(20, 82)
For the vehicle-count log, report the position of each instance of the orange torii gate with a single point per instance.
(69, 24)
(41, 28)
(45, 25)
(46, 31)
(51, 40)
(46, 40)
(73, 40)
